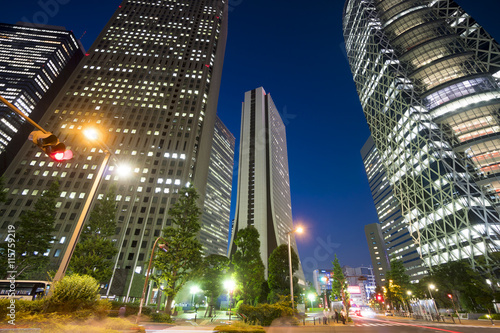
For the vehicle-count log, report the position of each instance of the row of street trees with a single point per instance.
(455, 280)
(181, 263)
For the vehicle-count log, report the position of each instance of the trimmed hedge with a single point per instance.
(239, 327)
(494, 316)
(161, 317)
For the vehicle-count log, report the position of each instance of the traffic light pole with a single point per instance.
(16, 110)
(79, 226)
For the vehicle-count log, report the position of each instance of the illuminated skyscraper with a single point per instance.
(427, 78)
(391, 239)
(149, 84)
(215, 219)
(263, 199)
(35, 61)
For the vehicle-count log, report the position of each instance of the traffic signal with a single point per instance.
(51, 145)
(380, 298)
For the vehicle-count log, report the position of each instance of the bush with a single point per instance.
(239, 327)
(265, 314)
(74, 292)
(160, 317)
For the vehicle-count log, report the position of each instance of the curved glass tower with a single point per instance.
(426, 76)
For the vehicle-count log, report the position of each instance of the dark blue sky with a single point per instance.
(294, 49)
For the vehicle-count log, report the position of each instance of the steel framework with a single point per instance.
(425, 73)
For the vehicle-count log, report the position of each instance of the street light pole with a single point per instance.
(79, 225)
(299, 230)
(431, 286)
(290, 266)
(147, 278)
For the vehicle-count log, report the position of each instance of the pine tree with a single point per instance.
(33, 235)
(248, 266)
(182, 260)
(279, 272)
(339, 284)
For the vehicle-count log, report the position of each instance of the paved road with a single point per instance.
(359, 325)
(362, 324)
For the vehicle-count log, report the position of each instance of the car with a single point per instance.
(367, 312)
(388, 313)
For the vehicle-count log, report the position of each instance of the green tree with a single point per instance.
(279, 272)
(182, 260)
(466, 285)
(397, 284)
(339, 284)
(33, 235)
(215, 270)
(248, 266)
(95, 250)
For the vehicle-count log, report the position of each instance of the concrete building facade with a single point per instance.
(149, 84)
(35, 62)
(263, 198)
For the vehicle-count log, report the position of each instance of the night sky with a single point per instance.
(294, 49)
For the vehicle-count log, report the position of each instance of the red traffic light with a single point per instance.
(450, 296)
(62, 156)
(51, 145)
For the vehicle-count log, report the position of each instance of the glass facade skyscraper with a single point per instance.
(395, 239)
(150, 85)
(427, 78)
(35, 61)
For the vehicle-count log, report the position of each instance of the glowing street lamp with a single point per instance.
(311, 298)
(194, 291)
(230, 285)
(299, 230)
(431, 286)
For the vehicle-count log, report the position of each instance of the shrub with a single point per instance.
(239, 327)
(160, 317)
(29, 307)
(265, 314)
(75, 290)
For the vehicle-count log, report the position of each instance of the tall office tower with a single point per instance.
(215, 219)
(263, 199)
(378, 252)
(149, 84)
(424, 71)
(35, 62)
(397, 241)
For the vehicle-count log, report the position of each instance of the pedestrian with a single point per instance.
(342, 316)
(122, 311)
(336, 316)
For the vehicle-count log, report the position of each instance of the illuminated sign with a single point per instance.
(354, 290)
